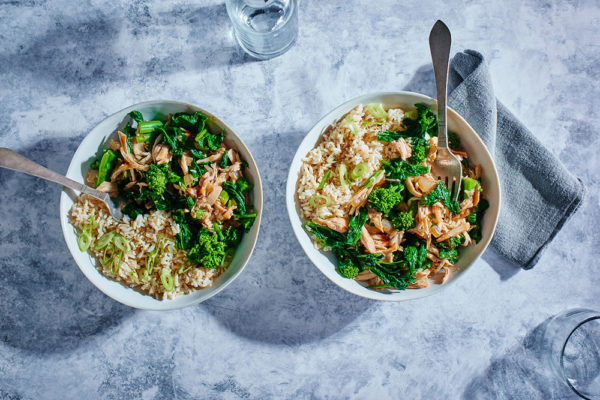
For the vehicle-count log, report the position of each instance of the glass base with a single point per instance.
(263, 56)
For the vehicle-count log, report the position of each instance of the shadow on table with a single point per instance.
(423, 82)
(47, 303)
(128, 45)
(281, 297)
(519, 374)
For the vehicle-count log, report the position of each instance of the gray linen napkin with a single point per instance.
(538, 193)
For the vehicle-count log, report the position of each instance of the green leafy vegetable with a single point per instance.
(355, 225)
(247, 220)
(420, 150)
(453, 140)
(106, 165)
(383, 199)
(327, 238)
(236, 194)
(450, 255)
(156, 178)
(402, 220)
(207, 141)
(398, 169)
(451, 243)
(148, 126)
(208, 250)
(136, 116)
(470, 184)
(476, 217)
(243, 184)
(191, 122)
(425, 122)
(441, 193)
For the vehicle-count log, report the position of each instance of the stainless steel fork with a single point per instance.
(11, 160)
(447, 166)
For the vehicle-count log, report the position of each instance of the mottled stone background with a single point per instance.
(281, 330)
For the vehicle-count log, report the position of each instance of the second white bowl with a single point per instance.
(325, 261)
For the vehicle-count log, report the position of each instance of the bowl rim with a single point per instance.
(294, 218)
(161, 305)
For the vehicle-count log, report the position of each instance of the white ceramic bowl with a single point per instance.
(78, 168)
(478, 153)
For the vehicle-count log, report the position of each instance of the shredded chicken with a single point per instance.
(367, 241)
(365, 275)
(338, 224)
(214, 157)
(161, 154)
(91, 177)
(118, 171)
(360, 198)
(421, 280)
(127, 156)
(463, 227)
(185, 161)
(375, 218)
(402, 148)
(432, 154)
(109, 187)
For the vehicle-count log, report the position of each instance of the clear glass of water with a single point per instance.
(572, 350)
(264, 28)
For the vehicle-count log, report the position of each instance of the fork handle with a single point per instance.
(16, 162)
(439, 44)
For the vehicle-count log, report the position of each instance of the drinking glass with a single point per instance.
(572, 350)
(264, 28)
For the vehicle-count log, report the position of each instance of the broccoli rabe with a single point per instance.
(475, 219)
(450, 255)
(156, 178)
(346, 266)
(451, 243)
(208, 250)
(402, 220)
(399, 169)
(453, 140)
(383, 199)
(420, 150)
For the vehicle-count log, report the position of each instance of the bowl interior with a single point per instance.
(471, 142)
(93, 144)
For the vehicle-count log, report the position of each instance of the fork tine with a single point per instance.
(456, 188)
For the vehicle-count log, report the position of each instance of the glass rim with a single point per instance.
(244, 27)
(564, 346)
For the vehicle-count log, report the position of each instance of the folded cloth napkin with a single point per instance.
(538, 193)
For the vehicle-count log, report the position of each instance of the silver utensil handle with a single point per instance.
(16, 162)
(439, 44)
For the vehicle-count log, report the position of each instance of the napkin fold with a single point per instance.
(538, 193)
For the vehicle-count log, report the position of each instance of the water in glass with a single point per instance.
(264, 28)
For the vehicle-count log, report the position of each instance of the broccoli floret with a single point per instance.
(450, 255)
(420, 150)
(346, 266)
(208, 251)
(384, 199)
(348, 271)
(156, 178)
(403, 220)
(233, 235)
(451, 243)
